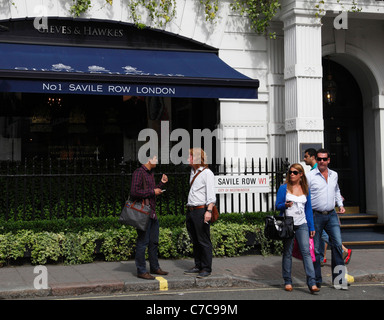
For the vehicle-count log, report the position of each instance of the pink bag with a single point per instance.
(296, 250)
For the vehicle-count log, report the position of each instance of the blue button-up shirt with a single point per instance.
(324, 194)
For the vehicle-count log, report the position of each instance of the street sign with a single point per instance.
(242, 183)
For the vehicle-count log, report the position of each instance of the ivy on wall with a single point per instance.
(320, 7)
(160, 12)
(259, 12)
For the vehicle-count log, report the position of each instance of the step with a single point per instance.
(352, 210)
(362, 225)
(362, 243)
(361, 230)
(363, 237)
(357, 216)
(361, 221)
(360, 218)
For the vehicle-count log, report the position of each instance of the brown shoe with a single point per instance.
(288, 287)
(146, 276)
(160, 272)
(314, 289)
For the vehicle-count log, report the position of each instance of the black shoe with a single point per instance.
(203, 274)
(194, 270)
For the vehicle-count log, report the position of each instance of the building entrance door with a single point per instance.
(343, 131)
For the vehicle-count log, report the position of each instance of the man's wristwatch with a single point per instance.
(210, 211)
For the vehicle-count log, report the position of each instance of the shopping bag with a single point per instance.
(296, 250)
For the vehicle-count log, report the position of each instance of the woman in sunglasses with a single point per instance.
(294, 199)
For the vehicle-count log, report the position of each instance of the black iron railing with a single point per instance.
(48, 189)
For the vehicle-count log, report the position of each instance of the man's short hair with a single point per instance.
(322, 150)
(148, 156)
(311, 152)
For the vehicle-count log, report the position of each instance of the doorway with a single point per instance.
(344, 133)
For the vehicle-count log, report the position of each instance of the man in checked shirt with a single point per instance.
(143, 187)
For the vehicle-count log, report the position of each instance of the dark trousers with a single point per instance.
(150, 239)
(201, 239)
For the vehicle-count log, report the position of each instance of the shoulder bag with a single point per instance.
(136, 213)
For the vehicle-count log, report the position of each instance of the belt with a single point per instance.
(196, 207)
(323, 212)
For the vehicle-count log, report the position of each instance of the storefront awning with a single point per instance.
(89, 70)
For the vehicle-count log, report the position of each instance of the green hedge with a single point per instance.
(104, 223)
(76, 241)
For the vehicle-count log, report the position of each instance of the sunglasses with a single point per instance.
(294, 172)
(322, 159)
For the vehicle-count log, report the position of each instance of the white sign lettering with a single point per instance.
(65, 87)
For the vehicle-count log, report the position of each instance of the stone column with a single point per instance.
(378, 109)
(275, 83)
(303, 80)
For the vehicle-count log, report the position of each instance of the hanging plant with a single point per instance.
(259, 12)
(321, 11)
(160, 11)
(80, 6)
(211, 7)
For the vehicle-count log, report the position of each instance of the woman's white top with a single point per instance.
(297, 211)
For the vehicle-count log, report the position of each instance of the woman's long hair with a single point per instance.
(303, 180)
(200, 158)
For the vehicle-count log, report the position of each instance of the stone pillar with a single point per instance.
(303, 80)
(275, 83)
(378, 114)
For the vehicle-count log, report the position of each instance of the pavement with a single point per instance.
(28, 281)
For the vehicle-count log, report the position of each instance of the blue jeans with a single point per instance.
(329, 223)
(150, 239)
(302, 238)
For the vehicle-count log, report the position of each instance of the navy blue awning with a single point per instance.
(89, 70)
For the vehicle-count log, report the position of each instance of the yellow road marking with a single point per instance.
(163, 283)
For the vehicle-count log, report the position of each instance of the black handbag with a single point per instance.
(279, 227)
(136, 214)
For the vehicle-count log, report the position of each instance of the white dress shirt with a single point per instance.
(324, 194)
(202, 191)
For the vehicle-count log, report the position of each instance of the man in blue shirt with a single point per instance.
(325, 192)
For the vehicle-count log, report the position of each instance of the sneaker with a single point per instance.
(350, 279)
(322, 263)
(193, 270)
(203, 274)
(348, 256)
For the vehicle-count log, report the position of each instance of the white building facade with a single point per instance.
(290, 113)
